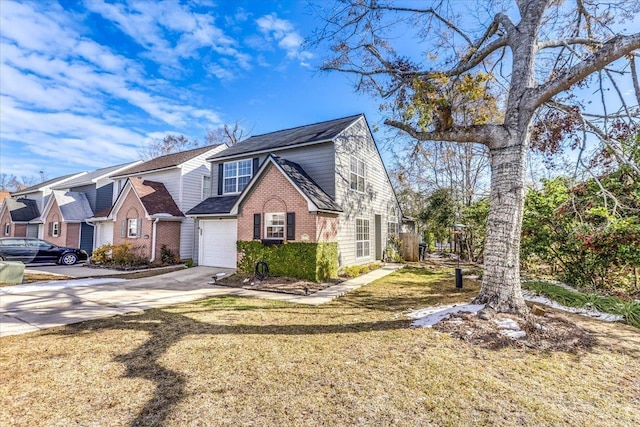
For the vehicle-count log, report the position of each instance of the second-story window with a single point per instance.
(236, 176)
(357, 174)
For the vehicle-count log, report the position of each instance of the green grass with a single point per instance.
(629, 310)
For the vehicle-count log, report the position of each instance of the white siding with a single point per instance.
(192, 172)
(377, 199)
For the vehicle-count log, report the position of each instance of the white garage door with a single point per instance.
(218, 242)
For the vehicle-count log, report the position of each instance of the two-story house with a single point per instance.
(323, 182)
(152, 196)
(20, 215)
(73, 201)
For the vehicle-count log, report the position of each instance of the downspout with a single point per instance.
(153, 240)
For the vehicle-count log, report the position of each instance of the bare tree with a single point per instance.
(8, 182)
(167, 145)
(227, 134)
(534, 59)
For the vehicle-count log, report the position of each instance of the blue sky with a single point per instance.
(86, 84)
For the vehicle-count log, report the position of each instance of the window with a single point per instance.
(392, 228)
(7, 229)
(236, 176)
(132, 227)
(274, 225)
(362, 238)
(55, 229)
(206, 187)
(357, 174)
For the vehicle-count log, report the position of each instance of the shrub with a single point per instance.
(358, 270)
(123, 255)
(308, 261)
(167, 256)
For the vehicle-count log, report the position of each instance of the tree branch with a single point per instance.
(546, 44)
(613, 49)
(482, 134)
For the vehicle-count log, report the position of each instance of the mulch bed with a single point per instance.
(551, 332)
(284, 285)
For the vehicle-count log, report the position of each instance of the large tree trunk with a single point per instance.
(501, 281)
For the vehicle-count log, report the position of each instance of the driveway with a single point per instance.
(32, 307)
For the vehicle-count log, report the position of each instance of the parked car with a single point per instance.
(30, 250)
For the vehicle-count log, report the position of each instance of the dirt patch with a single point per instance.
(276, 284)
(551, 332)
(41, 277)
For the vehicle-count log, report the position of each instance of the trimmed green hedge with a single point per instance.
(309, 261)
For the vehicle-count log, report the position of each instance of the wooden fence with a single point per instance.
(409, 249)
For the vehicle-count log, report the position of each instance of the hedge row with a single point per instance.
(308, 261)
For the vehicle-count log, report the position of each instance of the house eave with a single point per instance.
(253, 153)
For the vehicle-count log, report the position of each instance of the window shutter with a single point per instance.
(220, 178)
(123, 228)
(256, 165)
(291, 226)
(50, 233)
(257, 223)
(139, 230)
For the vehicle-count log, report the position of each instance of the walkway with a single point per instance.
(37, 306)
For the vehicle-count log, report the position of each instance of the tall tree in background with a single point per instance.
(533, 59)
(227, 134)
(167, 145)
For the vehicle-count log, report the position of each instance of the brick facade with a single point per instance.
(167, 232)
(19, 230)
(6, 218)
(132, 208)
(273, 194)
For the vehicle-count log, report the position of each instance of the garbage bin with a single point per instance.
(422, 247)
(11, 272)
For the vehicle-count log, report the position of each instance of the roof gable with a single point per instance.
(22, 210)
(288, 138)
(73, 206)
(94, 176)
(164, 162)
(155, 198)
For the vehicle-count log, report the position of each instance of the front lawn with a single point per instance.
(355, 361)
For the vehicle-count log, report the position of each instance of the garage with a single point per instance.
(217, 245)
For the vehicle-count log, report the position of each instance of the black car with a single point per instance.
(29, 250)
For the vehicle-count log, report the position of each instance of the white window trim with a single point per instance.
(7, 228)
(135, 228)
(55, 229)
(268, 218)
(204, 177)
(362, 241)
(364, 176)
(237, 176)
(397, 232)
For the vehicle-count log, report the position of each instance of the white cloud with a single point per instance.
(284, 34)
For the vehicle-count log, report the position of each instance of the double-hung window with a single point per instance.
(132, 227)
(55, 229)
(7, 229)
(274, 226)
(357, 175)
(206, 187)
(363, 242)
(236, 176)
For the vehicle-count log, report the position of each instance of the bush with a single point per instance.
(123, 255)
(358, 270)
(308, 261)
(167, 256)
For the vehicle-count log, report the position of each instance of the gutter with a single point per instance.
(153, 240)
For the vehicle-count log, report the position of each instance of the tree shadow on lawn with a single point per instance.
(168, 328)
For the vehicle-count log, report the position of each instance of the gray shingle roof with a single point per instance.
(307, 185)
(317, 132)
(73, 206)
(22, 210)
(214, 205)
(43, 184)
(89, 177)
(166, 161)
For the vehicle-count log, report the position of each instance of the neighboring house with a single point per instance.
(148, 211)
(64, 216)
(40, 194)
(324, 182)
(100, 193)
(16, 216)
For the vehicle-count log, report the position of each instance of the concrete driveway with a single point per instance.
(31, 307)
